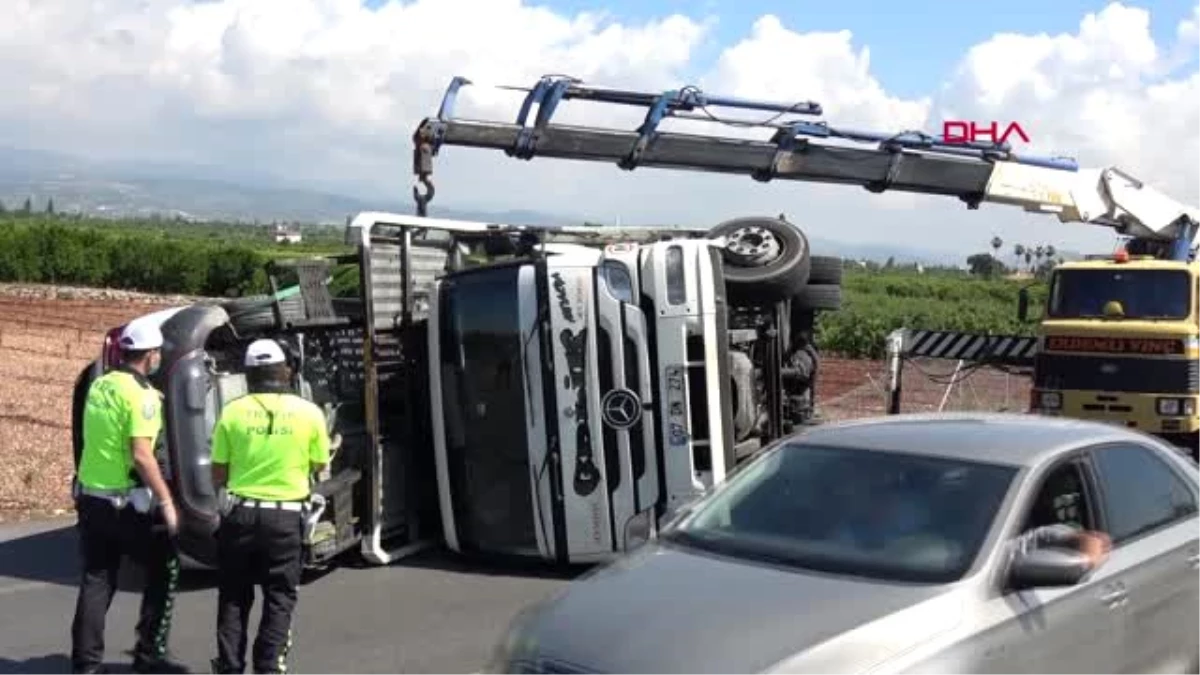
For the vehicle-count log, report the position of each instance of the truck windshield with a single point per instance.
(483, 398)
(881, 515)
(1141, 294)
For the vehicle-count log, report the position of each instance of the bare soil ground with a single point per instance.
(848, 389)
(49, 334)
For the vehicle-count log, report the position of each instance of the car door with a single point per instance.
(1149, 509)
(1055, 629)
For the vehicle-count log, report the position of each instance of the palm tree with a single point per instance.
(1018, 252)
(1050, 251)
(997, 242)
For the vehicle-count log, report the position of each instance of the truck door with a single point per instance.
(682, 283)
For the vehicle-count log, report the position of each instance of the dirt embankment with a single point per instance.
(47, 335)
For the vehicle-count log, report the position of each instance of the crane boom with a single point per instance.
(804, 150)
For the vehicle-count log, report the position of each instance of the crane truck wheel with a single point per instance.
(766, 259)
(825, 269)
(818, 297)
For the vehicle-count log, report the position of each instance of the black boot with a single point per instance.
(163, 665)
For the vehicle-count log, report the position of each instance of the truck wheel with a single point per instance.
(251, 314)
(766, 259)
(818, 297)
(825, 270)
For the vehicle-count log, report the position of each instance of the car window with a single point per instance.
(1141, 492)
(1061, 500)
(883, 515)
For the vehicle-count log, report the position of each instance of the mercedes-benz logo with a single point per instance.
(621, 408)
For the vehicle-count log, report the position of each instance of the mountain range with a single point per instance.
(195, 192)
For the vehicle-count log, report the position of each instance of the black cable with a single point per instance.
(965, 372)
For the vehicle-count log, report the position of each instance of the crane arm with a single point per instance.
(804, 150)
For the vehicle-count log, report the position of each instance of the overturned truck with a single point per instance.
(551, 393)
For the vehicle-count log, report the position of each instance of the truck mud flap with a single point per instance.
(190, 415)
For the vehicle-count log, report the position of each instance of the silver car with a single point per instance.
(888, 545)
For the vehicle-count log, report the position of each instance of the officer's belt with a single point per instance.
(269, 504)
(119, 498)
(103, 493)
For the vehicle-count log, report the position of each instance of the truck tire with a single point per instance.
(251, 314)
(825, 270)
(766, 259)
(83, 382)
(817, 297)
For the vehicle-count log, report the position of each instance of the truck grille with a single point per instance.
(1108, 373)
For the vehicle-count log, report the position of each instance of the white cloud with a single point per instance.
(329, 92)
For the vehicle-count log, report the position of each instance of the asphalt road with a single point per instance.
(429, 613)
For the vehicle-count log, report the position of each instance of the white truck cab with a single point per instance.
(578, 398)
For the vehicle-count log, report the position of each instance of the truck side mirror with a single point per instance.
(1023, 304)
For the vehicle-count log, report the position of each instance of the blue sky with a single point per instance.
(914, 43)
(326, 95)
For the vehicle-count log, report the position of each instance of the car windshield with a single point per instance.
(1137, 293)
(883, 515)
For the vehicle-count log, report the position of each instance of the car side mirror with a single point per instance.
(1023, 304)
(1047, 567)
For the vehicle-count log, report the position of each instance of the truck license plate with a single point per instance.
(677, 433)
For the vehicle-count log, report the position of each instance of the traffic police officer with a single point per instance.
(124, 506)
(265, 448)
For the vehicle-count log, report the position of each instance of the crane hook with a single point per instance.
(422, 198)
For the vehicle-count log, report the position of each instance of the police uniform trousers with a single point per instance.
(106, 535)
(258, 546)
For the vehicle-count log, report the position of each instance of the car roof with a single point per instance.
(1019, 440)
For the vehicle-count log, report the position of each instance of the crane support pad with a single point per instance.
(1010, 350)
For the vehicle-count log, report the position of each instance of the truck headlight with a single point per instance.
(1050, 400)
(676, 288)
(618, 281)
(1174, 407)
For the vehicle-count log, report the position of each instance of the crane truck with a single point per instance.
(555, 393)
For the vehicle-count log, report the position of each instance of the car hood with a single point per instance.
(666, 609)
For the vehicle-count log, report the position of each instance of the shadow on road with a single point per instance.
(52, 556)
(54, 663)
(51, 663)
(448, 561)
(49, 556)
